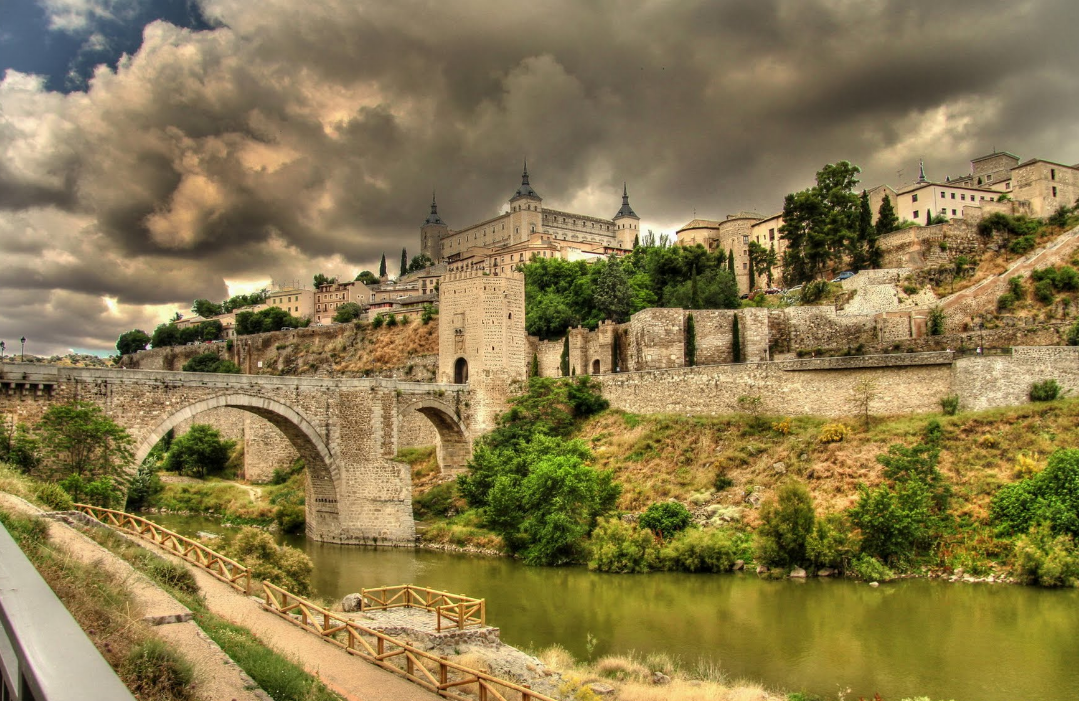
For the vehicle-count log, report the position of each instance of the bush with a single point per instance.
(936, 321)
(1006, 301)
(950, 404)
(833, 433)
(786, 523)
(1015, 287)
(153, 670)
(199, 452)
(1073, 334)
(54, 497)
(210, 362)
(870, 569)
(1045, 391)
(347, 312)
(1043, 291)
(143, 487)
(378, 321)
(621, 547)
(18, 448)
(830, 544)
(813, 291)
(284, 474)
(895, 524)
(391, 320)
(287, 567)
(171, 573)
(1022, 245)
(666, 518)
(722, 482)
(697, 550)
(1045, 559)
(1050, 496)
(439, 501)
(782, 427)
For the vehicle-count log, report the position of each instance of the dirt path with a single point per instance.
(216, 676)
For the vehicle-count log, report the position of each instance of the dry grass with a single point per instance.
(387, 347)
(425, 470)
(661, 457)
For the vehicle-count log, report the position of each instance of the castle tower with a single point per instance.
(431, 233)
(526, 211)
(481, 338)
(627, 223)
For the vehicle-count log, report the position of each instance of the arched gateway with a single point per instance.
(346, 430)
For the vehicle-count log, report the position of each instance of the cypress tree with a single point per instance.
(736, 342)
(691, 342)
(752, 276)
(928, 217)
(564, 365)
(382, 267)
(404, 261)
(730, 263)
(636, 241)
(887, 221)
(533, 371)
(614, 351)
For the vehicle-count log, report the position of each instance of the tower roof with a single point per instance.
(525, 190)
(626, 210)
(433, 217)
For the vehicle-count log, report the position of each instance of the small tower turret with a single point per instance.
(525, 210)
(627, 223)
(431, 233)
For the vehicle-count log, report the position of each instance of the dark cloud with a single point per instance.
(296, 137)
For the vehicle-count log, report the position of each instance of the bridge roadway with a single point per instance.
(345, 429)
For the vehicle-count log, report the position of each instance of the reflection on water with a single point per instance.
(910, 638)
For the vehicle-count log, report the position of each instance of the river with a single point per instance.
(967, 642)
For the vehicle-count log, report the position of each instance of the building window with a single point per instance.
(943, 194)
(915, 214)
(988, 177)
(1052, 173)
(771, 234)
(745, 239)
(914, 197)
(953, 212)
(953, 195)
(745, 266)
(962, 196)
(1054, 191)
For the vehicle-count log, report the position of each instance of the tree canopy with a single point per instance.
(821, 224)
(347, 312)
(132, 341)
(367, 277)
(210, 362)
(172, 335)
(265, 320)
(199, 452)
(321, 279)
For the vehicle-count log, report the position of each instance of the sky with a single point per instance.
(157, 151)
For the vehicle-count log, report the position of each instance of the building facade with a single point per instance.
(735, 234)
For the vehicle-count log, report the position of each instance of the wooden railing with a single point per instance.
(433, 672)
(438, 674)
(460, 611)
(225, 569)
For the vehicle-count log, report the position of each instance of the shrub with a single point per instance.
(391, 320)
(833, 433)
(621, 547)
(870, 569)
(210, 362)
(284, 474)
(1015, 287)
(172, 574)
(1006, 301)
(786, 523)
(199, 452)
(813, 291)
(378, 321)
(1045, 559)
(782, 427)
(1045, 391)
(666, 518)
(1067, 279)
(153, 670)
(439, 500)
(722, 482)
(830, 544)
(895, 524)
(1073, 334)
(143, 487)
(936, 321)
(950, 404)
(1050, 496)
(54, 497)
(1043, 291)
(18, 448)
(697, 550)
(287, 567)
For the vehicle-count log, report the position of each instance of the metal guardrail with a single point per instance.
(44, 654)
(461, 611)
(438, 674)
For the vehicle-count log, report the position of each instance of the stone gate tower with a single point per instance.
(431, 233)
(481, 338)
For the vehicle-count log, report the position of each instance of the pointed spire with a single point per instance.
(433, 217)
(525, 190)
(626, 210)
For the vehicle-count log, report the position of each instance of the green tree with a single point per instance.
(18, 447)
(860, 246)
(419, 262)
(691, 341)
(887, 221)
(730, 263)
(205, 308)
(199, 452)
(819, 223)
(348, 311)
(895, 523)
(382, 268)
(367, 277)
(321, 279)
(211, 362)
(132, 341)
(666, 519)
(736, 342)
(404, 261)
(79, 440)
(564, 363)
(143, 487)
(533, 368)
(1050, 496)
(165, 335)
(762, 260)
(266, 320)
(786, 524)
(612, 292)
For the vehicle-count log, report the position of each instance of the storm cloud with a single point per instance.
(292, 138)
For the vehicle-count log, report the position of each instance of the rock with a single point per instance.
(803, 457)
(600, 689)
(659, 678)
(798, 573)
(874, 584)
(780, 468)
(739, 565)
(959, 571)
(761, 569)
(825, 572)
(352, 603)
(991, 578)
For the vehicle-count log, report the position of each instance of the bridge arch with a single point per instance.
(324, 476)
(454, 448)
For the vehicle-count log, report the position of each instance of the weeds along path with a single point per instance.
(216, 676)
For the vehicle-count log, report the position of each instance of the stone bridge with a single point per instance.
(346, 430)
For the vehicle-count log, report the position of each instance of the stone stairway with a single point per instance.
(983, 295)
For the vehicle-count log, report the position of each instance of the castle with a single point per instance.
(495, 246)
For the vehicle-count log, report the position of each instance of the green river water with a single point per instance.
(967, 642)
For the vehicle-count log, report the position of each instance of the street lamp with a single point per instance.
(23, 340)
